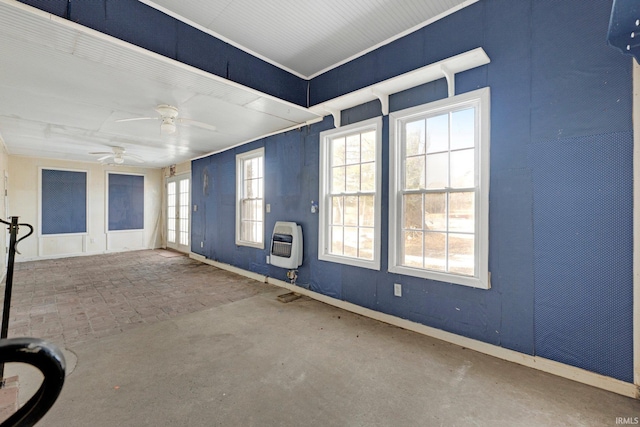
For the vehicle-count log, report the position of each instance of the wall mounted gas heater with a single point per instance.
(286, 245)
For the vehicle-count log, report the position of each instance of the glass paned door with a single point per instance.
(178, 213)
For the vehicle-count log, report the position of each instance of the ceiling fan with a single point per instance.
(169, 119)
(119, 155)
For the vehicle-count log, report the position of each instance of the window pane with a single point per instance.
(368, 147)
(368, 177)
(462, 170)
(437, 170)
(259, 231)
(366, 212)
(248, 210)
(337, 182)
(351, 210)
(336, 240)
(415, 138)
(252, 188)
(412, 249)
(353, 149)
(259, 212)
(438, 133)
(365, 245)
(252, 168)
(171, 212)
(435, 212)
(462, 212)
(463, 129)
(412, 211)
(353, 178)
(337, 210)
(246, 231)
(435, 251)
(351, 241)
(461, 253)
(337, 152)
(414, 173)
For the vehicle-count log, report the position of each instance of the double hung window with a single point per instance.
(250, 199)
(439, 186)
(349, 231)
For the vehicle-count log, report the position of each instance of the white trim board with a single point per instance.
(636, 223)
(444, 69)
(535, 362)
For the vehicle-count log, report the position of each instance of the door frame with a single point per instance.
(177, 178)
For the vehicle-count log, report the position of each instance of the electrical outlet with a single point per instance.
(268, 260)
(202, 244)
(195, 208)
(397, 289)
(268, 208)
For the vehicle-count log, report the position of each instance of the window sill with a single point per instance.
(250, 244)
(481, 282)
(354, 262)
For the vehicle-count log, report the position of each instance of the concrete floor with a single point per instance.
(254, 361)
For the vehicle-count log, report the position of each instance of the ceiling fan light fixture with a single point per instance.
(118, 159)
(168, 125)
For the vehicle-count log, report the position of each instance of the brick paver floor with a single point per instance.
(75, 300)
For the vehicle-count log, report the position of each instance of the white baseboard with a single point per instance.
(556, 368)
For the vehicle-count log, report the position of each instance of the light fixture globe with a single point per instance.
(168, 125)
(168, 114)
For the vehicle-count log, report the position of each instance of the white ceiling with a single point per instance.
(308, 37)
(63, 87)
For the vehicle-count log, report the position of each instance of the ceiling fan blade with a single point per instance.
(100, 159)
(134, 119)
(191, 122)
(134, 157)
(101, 152)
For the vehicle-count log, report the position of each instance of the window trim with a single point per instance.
(481, 98)
(240, 159)
(324, 175)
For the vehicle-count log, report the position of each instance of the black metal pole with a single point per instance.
(13, 233)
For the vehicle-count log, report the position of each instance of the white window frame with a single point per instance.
(240, 159)
(481, 100)
(324, 239)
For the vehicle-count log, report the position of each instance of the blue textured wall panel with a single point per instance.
(511, 256)
(126, 202)
(359, 286)
(580, 86)
(202, 51)
(55, 7)
(138, 23)
(199, 192)
(418, 95)
(583, 252)
(64, 201)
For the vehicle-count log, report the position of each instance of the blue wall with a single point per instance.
(561, 185)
